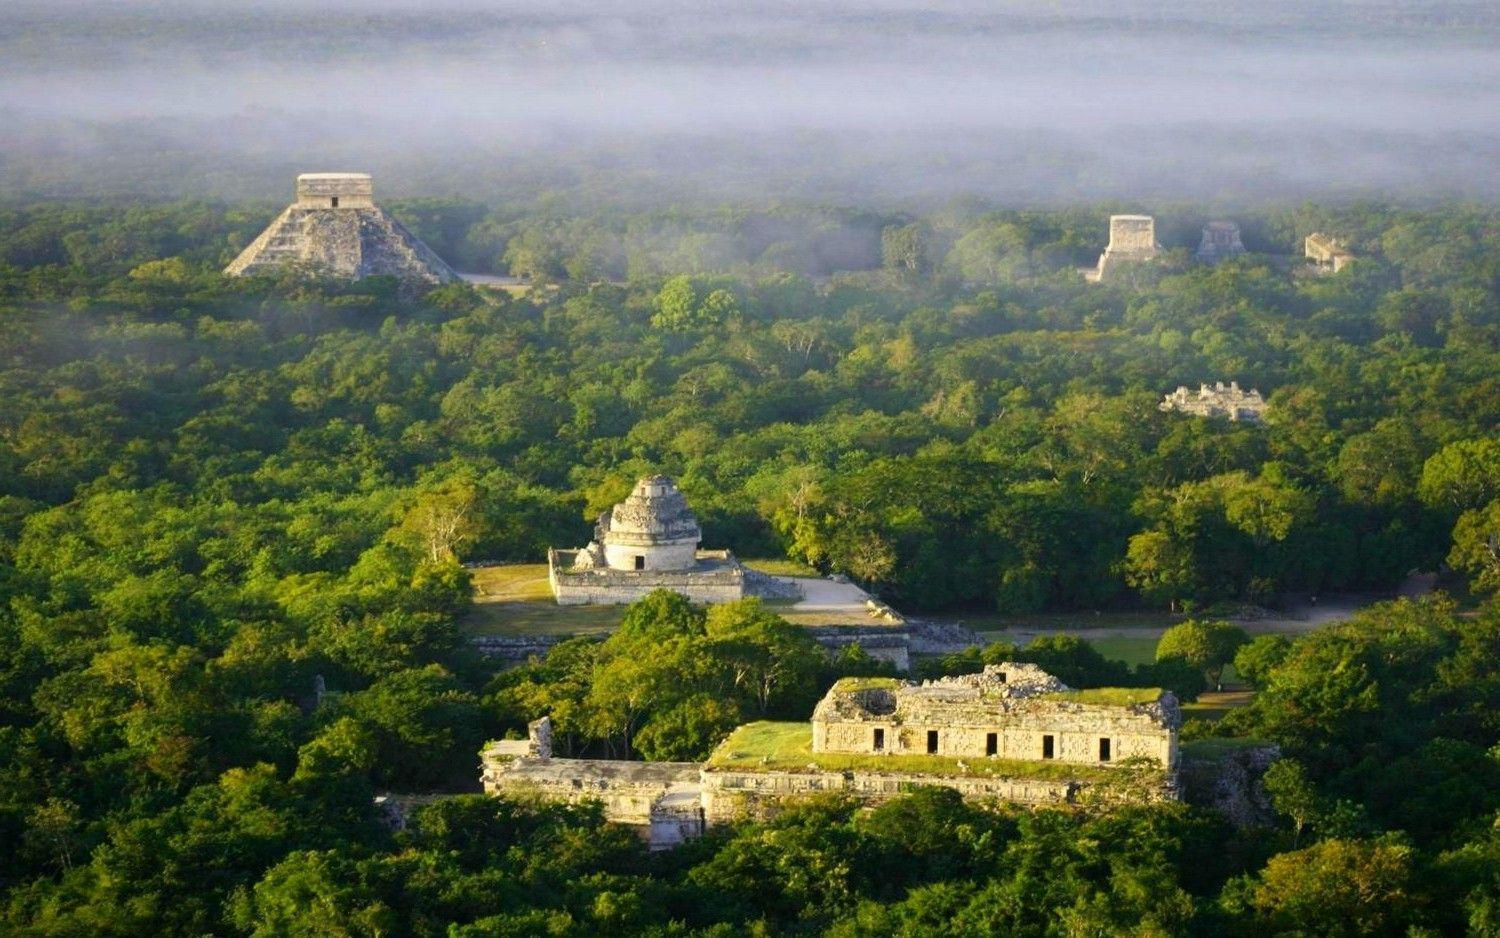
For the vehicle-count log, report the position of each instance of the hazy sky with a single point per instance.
(1022, 101)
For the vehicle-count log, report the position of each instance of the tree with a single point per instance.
(1463, 475)
(444, 521)
(903, 248)
(1292, 794)
(1339, 888)
(769, 658)
(1256, 659)
(1208, 646)
(1476, 547)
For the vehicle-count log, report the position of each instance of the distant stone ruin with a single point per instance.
(1217, 401)
(647, 542)
(1012, 733)
(334, 229)
(1327, 254)
(1221, 240)
(1132, 240)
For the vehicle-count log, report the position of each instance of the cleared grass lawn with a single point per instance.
(787, 747)
(1214, 705)
(1067, 621)
(1108, 696)
(780, 566)
(512, 583)
(1217, 747)
(540, 618)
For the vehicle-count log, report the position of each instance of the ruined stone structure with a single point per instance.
(649, 541)
(1132, 240)
(1012, 733)
(1221, 240)
(1010, 711)
(1217, 401)
(1326, 253)
(335, 229)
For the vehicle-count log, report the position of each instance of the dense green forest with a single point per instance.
(215, 492)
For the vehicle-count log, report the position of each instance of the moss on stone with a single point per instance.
(1108, 696)
(849, 685)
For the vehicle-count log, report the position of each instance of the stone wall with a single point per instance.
(1011, 710)
(883, 643)
(1076, 737)
(717, 578)
(732, 795)
(661, 800)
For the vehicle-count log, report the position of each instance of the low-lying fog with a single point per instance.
(1029, 102)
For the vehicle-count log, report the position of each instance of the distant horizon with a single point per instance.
(890, 103)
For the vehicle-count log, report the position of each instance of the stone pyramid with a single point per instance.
(335, 229)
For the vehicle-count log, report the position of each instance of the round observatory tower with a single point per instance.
(651, 530)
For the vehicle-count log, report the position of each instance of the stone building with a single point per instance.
(1217, 401)
(649, 541)
(1010, 711)
(1132, 240)
(1221, 240)
(1326, 253)
(334, 229)
(1012, 733)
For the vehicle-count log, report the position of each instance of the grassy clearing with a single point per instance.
(1108, 696)
(1217, 747)
(780, 566)
(512, 583)
(1067, 621)
(540, 618)
(1213, 705)
(787, 747)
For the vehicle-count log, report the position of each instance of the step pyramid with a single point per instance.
(336, 230)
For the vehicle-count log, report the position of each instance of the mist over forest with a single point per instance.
(1033, 103)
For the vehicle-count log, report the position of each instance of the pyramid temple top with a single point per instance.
(335, 190)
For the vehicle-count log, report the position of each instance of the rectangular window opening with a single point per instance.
(334, 200)
(879, 740)
(640, 562)
(931, 741)
(991, 743)
(1104, 753)
(1049, 747)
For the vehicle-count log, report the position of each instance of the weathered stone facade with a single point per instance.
(1132, 240)
(1010, 711)
(647, 542)
(1221, 240)
(334, 229)
(734, 795)
(1217, 401)
(1327, 254)
(1013, 733)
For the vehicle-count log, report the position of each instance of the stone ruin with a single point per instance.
(647, 542)
(1009, 711)
(334, 229)
(875, 738)
(1132, 240)
(1217, 401)
(1327, 254)
(1221, 240)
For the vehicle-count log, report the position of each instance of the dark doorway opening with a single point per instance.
(1049, 747)
(640, 562)
(932, 741)
(879, 740)
(334, 200)
(1104, 753)
(991, 743)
